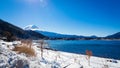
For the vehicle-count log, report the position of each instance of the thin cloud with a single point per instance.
(42, 3)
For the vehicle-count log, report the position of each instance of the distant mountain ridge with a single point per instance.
(58, 35)
(53, 34)
(18, 32)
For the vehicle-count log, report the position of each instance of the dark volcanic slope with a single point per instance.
(18, 32)
(116, 35)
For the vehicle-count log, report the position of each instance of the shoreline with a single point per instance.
(86, 55)
(51, 59)
(79, 54)
(87, 40)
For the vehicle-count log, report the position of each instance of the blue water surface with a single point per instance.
(99, 48)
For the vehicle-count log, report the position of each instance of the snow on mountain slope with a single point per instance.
(31, 27)
(50, 59)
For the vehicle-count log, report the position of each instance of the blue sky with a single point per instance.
(80, 17)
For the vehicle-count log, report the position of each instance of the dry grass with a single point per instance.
(25, 48)
(27, 42)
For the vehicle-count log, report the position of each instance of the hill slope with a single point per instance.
(115, 36)
(18, 32)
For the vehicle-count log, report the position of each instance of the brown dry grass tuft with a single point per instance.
(89, 54)
(29, 51)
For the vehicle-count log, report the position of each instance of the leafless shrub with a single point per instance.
(89, 54)
(41, 43)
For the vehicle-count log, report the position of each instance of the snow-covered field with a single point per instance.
(50, 59)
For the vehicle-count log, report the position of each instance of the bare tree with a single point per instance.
(41, 42)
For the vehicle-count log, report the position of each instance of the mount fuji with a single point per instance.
(31, 27)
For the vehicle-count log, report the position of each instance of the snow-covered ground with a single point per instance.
(50, 59)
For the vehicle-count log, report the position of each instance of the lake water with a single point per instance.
(100, 48)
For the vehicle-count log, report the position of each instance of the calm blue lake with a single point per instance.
(100, 48)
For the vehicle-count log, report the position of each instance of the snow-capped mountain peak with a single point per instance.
(31, 27)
